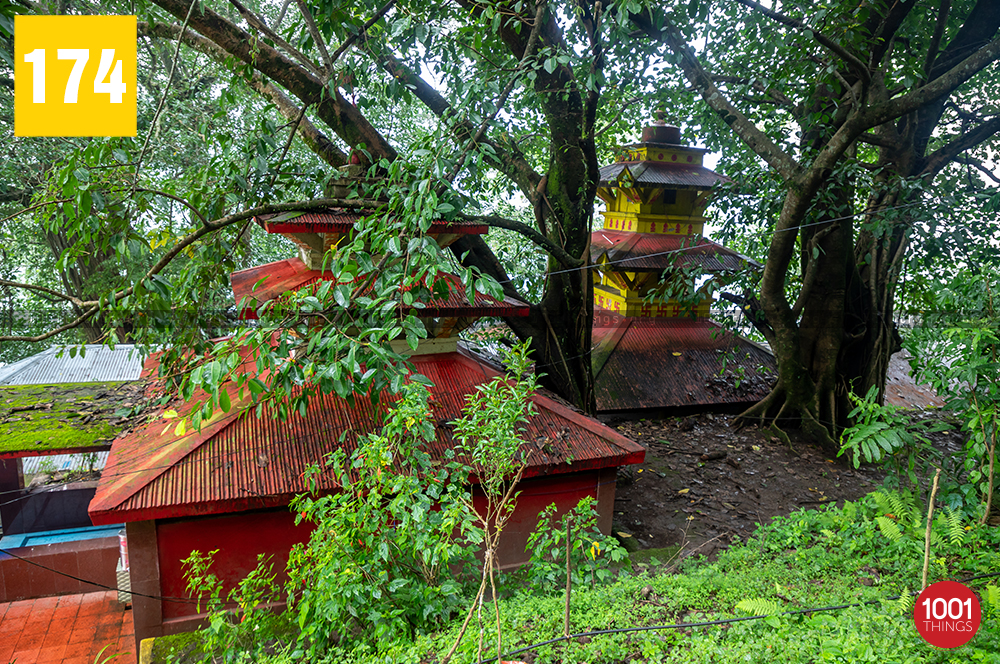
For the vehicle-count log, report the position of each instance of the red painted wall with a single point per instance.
(238, 538)
(535, 495)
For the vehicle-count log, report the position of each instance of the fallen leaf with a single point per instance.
(684, 490)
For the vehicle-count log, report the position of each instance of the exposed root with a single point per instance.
(779, 434)
(757, 413)
(815, 430)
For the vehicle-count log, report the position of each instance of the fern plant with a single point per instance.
(887, 434)
(758, 606)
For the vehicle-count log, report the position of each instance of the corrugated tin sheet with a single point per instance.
(653, 252)
(642, 363)
(98, 364)
(651, 173)
(240, 462)
(292, 274)
(341, 221)
(60, 462)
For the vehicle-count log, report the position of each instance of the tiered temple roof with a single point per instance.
(651, 352)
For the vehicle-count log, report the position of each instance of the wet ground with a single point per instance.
(704, 482)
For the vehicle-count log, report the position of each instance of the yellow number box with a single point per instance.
(74, 75)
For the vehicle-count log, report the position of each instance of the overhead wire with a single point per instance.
(711, 623)
(590, 266)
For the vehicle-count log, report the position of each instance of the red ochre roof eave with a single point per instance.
(157, 459)
(292, 274)
(638, 368)
(631, 251)
(186, 486)
(662, 174)
(25, 454)
(342, 221)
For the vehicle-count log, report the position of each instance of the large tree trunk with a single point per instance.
(807, 336)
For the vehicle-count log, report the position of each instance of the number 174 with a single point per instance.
(113, 87)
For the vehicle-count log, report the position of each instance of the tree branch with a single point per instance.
(935, 89)
(853, 62)
(939, 26)
(969, 139)
(316, 140)
(970, 161)
(509, 161)
(180, 200)
(258, 24)
(77, 322)
(364, 29)
(754, 138)
(317, 37)
(338, 114)
(42, 289)
(223, 222)
(545, 243)
(878, 140)
(540, 7)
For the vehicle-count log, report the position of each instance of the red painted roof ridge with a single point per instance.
(577, 442)
(132, 468)
(345, 218)
(292, 275)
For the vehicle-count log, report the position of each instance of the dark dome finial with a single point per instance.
(661, 132)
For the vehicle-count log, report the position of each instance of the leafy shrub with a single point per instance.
(379, 562)
(956, 352)
(887, 434)
(243, 628)
(591, 553)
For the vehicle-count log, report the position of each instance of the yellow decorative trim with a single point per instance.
(635, 306)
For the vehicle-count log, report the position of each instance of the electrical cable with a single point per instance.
(710, 623)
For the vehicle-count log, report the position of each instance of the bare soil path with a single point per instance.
(704, 482)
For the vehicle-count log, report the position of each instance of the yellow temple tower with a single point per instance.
(651, 351)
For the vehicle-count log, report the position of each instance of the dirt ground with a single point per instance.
(704, 482)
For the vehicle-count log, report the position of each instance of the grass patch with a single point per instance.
(808, 560)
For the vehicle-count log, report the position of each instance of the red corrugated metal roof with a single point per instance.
(342, 221)
(240, 462)
(644, 363)
(651, 173)
(643, 252)
(292, 274)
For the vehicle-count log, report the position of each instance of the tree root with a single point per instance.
(757, 413)
(779, 434)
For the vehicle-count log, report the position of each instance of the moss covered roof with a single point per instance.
(70, 417)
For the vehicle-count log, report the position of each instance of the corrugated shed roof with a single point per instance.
(644, 252)
(240, 462)
(97, 364)
(651, 173)
(342, 221)
(642, 363)
(292, 274)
